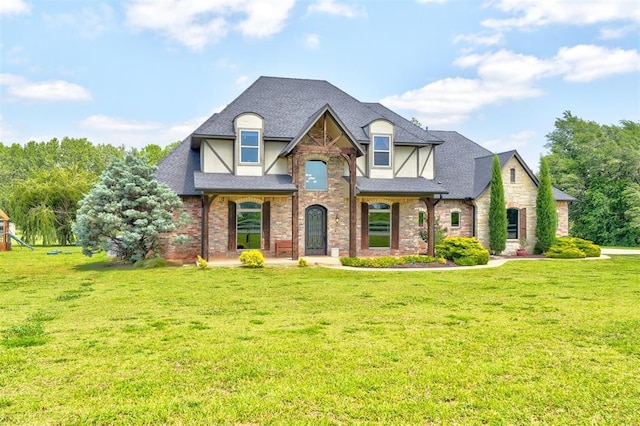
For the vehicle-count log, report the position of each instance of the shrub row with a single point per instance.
(572, 248)
(387, 261)
(463, 251)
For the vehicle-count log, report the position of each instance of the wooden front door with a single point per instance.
(315, 231)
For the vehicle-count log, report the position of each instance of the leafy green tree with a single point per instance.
(44, 205)
(127, 210)
(545, 211)
(497, 211)
(596, 164)
(154, 153)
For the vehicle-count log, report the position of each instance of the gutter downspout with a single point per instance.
(467, 201)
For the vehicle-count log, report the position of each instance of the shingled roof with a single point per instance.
(286, 104)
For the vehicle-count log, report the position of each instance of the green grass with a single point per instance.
(543, 342)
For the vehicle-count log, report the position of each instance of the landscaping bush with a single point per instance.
(252, 259)
(463, 251)
(385, 261)
(572, 248)
(565, 252)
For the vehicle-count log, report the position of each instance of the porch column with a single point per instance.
(350, 157)
(295, 208)
(207, 200)
(431, 226)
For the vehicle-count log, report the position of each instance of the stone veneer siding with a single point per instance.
(443, 211)
(189, 251)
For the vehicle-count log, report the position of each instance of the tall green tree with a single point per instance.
(497, 211)
(547, 220)
(596, 164)
(44, 206)
(127, 210)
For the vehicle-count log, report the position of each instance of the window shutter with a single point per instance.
(364, 226)
(233, 244)
(266, 225)
(523, 223)
(395, 226)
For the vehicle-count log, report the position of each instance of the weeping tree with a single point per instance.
(545, 211)
(44, 205)
(497, 211)
(127, 211)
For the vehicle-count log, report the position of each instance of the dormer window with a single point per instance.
(381, 151)
(249, 146)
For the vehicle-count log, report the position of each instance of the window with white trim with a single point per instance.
(249, 146)
(381, 151)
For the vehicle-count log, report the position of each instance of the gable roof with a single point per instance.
(464, 167)
(313, 120)
(286, 104)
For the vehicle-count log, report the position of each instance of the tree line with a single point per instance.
(599, 165)
(41, 183)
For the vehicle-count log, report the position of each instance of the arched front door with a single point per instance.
(315, 231)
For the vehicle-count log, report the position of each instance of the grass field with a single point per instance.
(535, 342)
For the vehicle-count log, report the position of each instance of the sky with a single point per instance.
(136, 72)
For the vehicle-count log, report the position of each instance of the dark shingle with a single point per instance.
(399, 186)
(224, 182)
(177, 168)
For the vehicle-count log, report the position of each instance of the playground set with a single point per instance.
(6, 234)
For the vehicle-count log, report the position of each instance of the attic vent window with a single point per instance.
(249, 146)
(513, 176)
(381, 151)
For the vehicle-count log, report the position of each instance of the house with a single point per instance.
(301, 167)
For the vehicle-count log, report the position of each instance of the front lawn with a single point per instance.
(554, 342)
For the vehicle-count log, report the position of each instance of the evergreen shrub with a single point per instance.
(463, 251)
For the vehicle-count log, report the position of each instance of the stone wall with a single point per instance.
(443, 211)
(188, 250)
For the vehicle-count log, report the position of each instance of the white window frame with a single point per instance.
(374, 150)
(240, 146)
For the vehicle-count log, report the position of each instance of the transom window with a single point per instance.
(381, 151)
(513, 217)
(315, 175)
(249, 146)
(455, 219)
(379, 225)
(248, 225)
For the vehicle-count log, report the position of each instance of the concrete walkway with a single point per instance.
(334, 262)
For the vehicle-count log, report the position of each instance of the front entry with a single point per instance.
(315, 231)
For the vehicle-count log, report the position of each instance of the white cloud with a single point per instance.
(50, 91)
(134, 133)
(111, 124)
(612, 33)
(14, 7)
(481, 39)
(198, 23)
(90, 22)
(514, 141)
(531, 13)
(584, 63)
(334, 8)
(312, 41)
(507, 76)
(242, 80)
